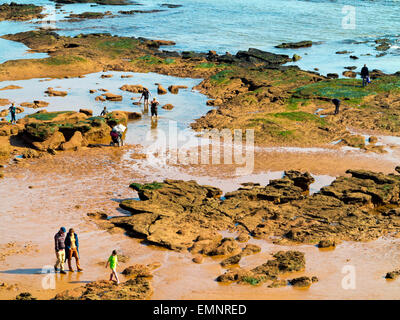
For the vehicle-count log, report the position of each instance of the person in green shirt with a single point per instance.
(113, 261)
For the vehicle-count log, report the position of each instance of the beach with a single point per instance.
(300, 200)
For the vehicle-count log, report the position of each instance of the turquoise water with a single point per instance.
(237, 25)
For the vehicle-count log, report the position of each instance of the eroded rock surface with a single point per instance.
(183, 215)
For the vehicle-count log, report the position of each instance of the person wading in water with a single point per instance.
(145, 94)
(72, 249)
(153, 110)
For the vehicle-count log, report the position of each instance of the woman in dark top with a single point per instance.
(154, 104)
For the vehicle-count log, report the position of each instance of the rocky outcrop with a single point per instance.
(55, 93)
(77, 141)
(283, 262)
(182, 215)
(295, 45)
(20, 12)
(112, 97)
(138, 288)
(134, 88)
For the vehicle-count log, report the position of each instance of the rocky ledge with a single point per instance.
(65, 130)
(20, 12)
(182, 215)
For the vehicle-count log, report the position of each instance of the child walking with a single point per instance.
(113, 261)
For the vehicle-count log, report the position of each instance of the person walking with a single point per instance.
(113, 262)
(104, 112)
(153, 108)
(364, 75)
(336, 102)
(13, 110)
(72, 250)
(59, 240)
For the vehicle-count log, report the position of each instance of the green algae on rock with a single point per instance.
(20, 12)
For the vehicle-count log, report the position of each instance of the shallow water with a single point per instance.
(203, 25)
(188, 104)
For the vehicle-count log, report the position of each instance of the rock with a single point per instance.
(112, 97)
(251, 249)
(216, 102)
(137, 88)
(175, 89)
(355, 141)
(137, 270)
(25, 296)
(372, 140)
(283, 262)
(30, 153)
(104, 76)
(231, 260)
(343, 52)
(354, 57)
(302, 282)
(132, 115)
(256, 56)
(100, 98)
(168, 106)
(4, 113)
(326, 244)
(296, 57)
(392, 275)
(198, 259)
(160, 89)
(351, 68)
(243, 237)
(52, 143)
(295, 45)
(54, 93)
(301, 180)
(88, 112)
(77, 141)
(138, 288)
(92, 91)
(332, 76)
(349, 74)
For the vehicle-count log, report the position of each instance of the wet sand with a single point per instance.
(43, 194)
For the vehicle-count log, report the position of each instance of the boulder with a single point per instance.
(137, 270)
(134, 88)
(349, 74)
(160, 89)
(54, 93)
(296, 57)
(112, 97)
(88, 112)
(326, 244)
(77, 141)
(168, 106)
(100, 98)
(53, 142)
(175, 89)
(295, 45)
(332, 76)
(303, 282)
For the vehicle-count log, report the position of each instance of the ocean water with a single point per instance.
(233, 25)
